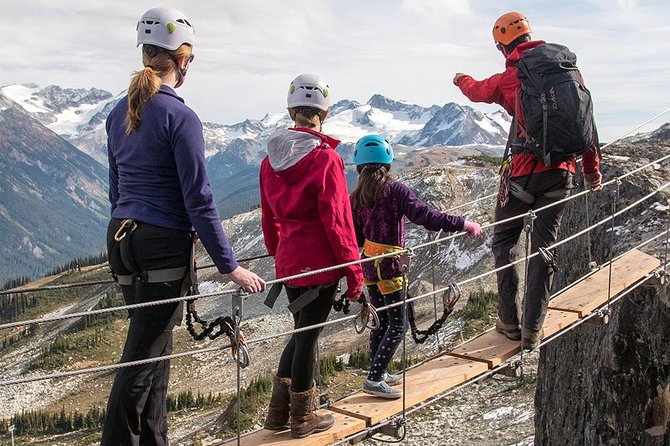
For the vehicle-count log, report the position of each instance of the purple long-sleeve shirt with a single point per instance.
(385, 223)
(157, 173)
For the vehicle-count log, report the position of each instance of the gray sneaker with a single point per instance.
(392, 379)
(381, 389)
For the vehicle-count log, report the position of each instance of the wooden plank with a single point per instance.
(493, 348)
(425, 381)
(591, 293)
(556, 321)
(343, 427)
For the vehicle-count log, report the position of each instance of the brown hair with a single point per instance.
(146, 82)
(308, 117)
(373, 180)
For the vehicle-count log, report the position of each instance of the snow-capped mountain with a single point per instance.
(233, 151)
(78, 115)
(53, 197)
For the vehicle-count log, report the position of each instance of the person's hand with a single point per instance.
(472, 228)
(594, 180)
(353, 295)
(248, 280)
(457, 77)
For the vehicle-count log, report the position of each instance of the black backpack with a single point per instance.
(555, 104)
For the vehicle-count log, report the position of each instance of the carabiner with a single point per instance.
(123, 229)
(243, 359)
(451, 295)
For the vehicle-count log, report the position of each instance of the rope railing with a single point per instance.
(493, 371)
(21, 290)
(320, 325)
(470, 203)
(339, 320)
(344, 265)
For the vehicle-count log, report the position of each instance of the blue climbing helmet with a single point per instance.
(373, 149)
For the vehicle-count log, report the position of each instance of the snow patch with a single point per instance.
(24, 96)
(498, 413)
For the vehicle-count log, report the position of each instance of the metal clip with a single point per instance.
(548, 258)
(367, 317)
(404, 260)
(451, 295)
(236, 302)
(395, 429)
(513, 370)
(528, 220)
(602, 317)
(126, 225)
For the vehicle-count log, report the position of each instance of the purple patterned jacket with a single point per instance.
(385, 223)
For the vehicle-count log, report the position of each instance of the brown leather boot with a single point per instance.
(304, 421)
(278, 412)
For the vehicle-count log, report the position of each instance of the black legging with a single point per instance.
(297, 359)
(136, 408)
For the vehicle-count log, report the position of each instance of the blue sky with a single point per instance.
(249, 50)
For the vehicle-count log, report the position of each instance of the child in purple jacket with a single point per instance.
(379, 205)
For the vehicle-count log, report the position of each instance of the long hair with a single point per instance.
(373, 180)
(146, 82)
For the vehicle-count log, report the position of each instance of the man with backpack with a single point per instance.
(552, 124)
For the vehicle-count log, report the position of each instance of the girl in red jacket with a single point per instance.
(307, 225)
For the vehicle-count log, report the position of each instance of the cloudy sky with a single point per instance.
(249, 50)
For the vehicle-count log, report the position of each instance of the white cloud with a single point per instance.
(249, 50)
(443, 10)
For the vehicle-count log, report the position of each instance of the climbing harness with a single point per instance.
(123, 237)
(449, 299)
(373, 249)
(219, 326)
(301, 302)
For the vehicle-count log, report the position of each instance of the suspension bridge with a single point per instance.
(358, 415)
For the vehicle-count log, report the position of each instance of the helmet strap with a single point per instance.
(153, 51)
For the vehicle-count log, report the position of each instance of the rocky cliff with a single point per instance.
(610, 384)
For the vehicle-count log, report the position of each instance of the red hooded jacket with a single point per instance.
(501, 89)
(306, 214)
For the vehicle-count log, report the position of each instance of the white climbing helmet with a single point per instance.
(166, 28)
(309, 90)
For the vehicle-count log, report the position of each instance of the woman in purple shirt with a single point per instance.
(380, 205)
(160, 195)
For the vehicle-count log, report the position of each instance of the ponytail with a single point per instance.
(143, 85)
(146, 82)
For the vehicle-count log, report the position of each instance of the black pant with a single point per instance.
(297, 359)
(545, 233)
(136, 409)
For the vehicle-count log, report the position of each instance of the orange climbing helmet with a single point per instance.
(509, 27)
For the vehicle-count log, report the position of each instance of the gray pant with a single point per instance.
(545, 233)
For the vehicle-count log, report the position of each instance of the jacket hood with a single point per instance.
(286, 147)
(291, 151)
(514, 57)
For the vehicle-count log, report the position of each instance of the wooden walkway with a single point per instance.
(358, 411)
